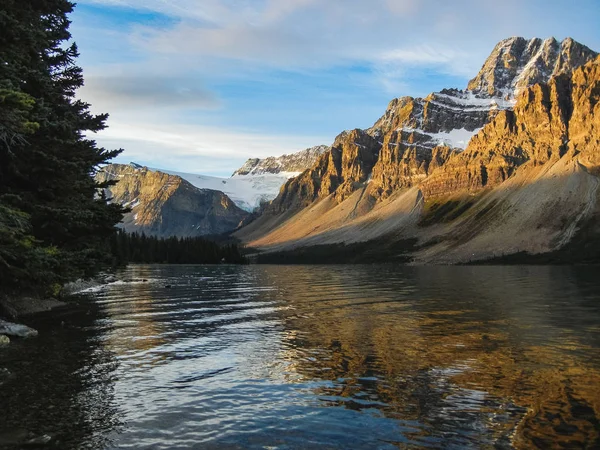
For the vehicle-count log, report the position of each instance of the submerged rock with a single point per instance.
(15, 329)
(38, 441)
(14, 306)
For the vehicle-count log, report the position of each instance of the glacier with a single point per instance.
(246, 191)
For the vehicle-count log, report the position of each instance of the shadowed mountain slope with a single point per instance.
(167, 205)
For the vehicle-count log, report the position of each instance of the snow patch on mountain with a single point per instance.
(456, 138)
(467, 99)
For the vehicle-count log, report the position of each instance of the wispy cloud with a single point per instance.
(223, 62)
(144, 91)
(296, 34)
(393, 66)
(422, 54)
(196, 148)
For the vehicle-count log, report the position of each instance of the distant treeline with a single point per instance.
(139, 248)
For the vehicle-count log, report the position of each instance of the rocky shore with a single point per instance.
(16, 307)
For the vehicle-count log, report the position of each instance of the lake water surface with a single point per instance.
(286, 357)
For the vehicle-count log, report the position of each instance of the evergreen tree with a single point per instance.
(138, 248)
(55, 224)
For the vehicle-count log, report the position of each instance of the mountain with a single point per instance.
(416, 135)
(258, 181)
(409, 179)
(412, 129)
(167, 205)
(285, 164)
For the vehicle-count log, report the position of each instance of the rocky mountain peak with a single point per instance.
(516, 63)
(293, 163)
(417, 135)
(452, 116)
(554, 121)
(528, 181)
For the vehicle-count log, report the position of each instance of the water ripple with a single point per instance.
(330, 357)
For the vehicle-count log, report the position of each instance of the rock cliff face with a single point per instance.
(338, 171)
(166, 205)
(549, 120)
(417, 135)
(517, 63)
(526, 181)
(296, 162)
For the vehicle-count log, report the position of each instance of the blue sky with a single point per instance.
(202, 85)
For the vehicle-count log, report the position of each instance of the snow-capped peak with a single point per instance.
(516, 63)
(453, 116)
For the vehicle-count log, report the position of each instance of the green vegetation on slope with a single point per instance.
(436, 212)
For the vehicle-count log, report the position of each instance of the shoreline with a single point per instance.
(15, 307)
(19, 309)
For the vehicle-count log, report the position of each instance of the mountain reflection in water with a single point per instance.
(316, 356)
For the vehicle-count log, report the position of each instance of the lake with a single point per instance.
(286, 357)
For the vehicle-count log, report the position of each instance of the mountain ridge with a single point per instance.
(411, 169)
(293, 163)
(416, 135)
(258, 181)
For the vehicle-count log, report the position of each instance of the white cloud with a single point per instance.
(403, 7)
(135, 91)
(279, 9)
(196, 148)
(181, 63)
(297, 34)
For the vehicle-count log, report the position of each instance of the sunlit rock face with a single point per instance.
(516, 63)
(418, 135)
(166, 205)
(339, 170)
(549, 121)
(525, 180)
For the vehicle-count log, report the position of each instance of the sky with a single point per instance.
(202, 85)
